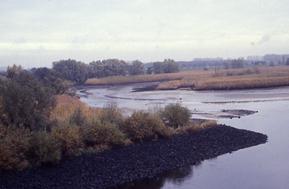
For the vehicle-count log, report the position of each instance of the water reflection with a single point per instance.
(176, 176)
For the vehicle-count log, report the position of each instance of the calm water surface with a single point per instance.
(259, 167)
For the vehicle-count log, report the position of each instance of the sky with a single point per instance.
(35, 33)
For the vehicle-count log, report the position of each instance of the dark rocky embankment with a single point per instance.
(135, 162)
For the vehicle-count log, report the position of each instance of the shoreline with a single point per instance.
(192, 88)
(153, 86)
(134, 162)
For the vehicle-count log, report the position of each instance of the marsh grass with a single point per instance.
(222, 79)
(194, 127)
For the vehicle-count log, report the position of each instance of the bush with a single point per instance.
(71, 70)
(43, 149)
(144, 126)
(174, 115)
(102, 134)
(208, 124)
(69, 139)
(78, 118)
(25, 102)
(111, 114)
(14, 143)
(51, 79)
(197, 126)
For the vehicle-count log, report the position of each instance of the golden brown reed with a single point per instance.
(67, 105)
(221, 79)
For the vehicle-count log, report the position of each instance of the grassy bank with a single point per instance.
(76, 129)
(223, 79)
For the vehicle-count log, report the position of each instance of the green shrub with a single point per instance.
(144, 126)
(102, 134)
(69, 138)
(13, 146)
(111, 114)
(43, 149)
(25, 102)
(50, 78)
(175, 115)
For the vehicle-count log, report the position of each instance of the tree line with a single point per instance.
(79, 72)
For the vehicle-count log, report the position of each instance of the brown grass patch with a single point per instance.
(194, 127)
(67, 105)
(226, 83)
(223, 79)
(136, 79)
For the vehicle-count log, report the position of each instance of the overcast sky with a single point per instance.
(37, 32)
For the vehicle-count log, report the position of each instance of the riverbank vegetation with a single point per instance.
(40, 124)
(222, 79)
(135, 162)
(43, 122)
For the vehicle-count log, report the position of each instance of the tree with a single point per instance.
(167, 66)
(14, 70)
(170, 66)
(109, 67)
(149, 70)
(158, 67)
(136, 68)
(72, 70)
(25, 102)
(237, 63)
(51, 79)
(95, 69)
(175, 115)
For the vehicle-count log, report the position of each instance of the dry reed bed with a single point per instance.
(114, 80)
(67, 105)
(223, 79)
(241, 83)
(262, 77)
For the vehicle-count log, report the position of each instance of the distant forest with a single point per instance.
(78, 72)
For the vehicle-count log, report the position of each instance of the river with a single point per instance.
(263, 166)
